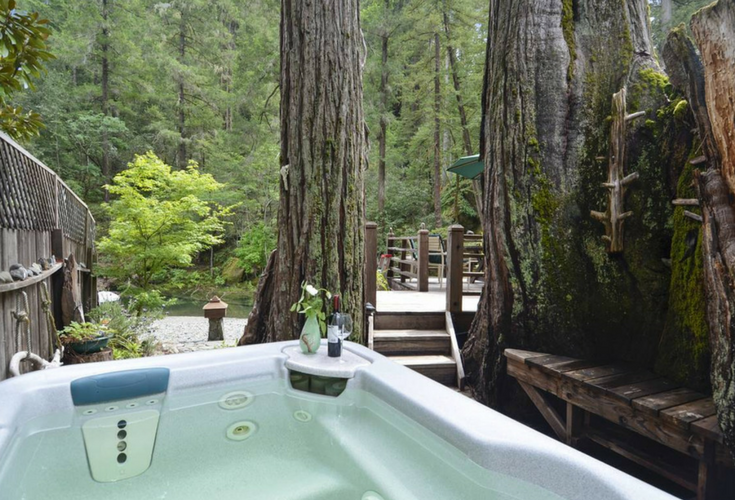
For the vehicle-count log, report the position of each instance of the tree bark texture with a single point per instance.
(709, 83)
(437, 135)
(105, 84)
(383, 134)
(182, 159)
(321, 207)
(552, 68)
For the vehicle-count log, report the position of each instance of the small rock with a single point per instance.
(36, 268)
(16, 266)
(18, 273)
(44, 264)
(5, 277)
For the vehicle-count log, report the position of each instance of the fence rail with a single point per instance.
(40, 216)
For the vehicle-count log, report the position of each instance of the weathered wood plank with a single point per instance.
(654, 403)
(599, 403)
(683, 415)
(629, 392)
(598, 372)
(650, 461)
(520, 355)
(556, 365)
(549, 414)
(619, 379)
(708, 427)
(17, 285)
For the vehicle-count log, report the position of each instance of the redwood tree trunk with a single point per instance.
(437, 135)
(321, 207)
(382, 137)
(182, 160)
(105, 84)
(551, 71)
(709, 84)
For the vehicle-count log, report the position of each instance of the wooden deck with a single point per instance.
(435, 300)
(640, 404)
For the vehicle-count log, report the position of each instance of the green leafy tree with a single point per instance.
(22, 54)
(161, 219)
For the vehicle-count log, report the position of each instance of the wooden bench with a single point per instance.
(636, 400)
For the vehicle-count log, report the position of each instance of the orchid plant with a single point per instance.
(311, 304)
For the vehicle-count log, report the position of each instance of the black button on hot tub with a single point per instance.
(122, 435)
(121, 458)
(121, 424)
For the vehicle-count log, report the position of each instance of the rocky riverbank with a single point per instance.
(188, 333)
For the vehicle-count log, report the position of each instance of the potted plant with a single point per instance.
(310, 304)
(85, 338)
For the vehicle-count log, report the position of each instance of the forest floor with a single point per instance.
(187, 334)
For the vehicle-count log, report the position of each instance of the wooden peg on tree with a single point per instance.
(615, 214)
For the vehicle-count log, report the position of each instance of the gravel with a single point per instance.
(189, 333)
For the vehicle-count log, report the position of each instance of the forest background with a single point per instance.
(196, 80)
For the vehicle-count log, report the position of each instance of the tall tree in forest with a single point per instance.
(437, 133)
(550, 284)
(321, 208)
(709, 84)
(105, 84)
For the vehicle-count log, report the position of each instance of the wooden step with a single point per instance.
(411, 342)
(410, 320)
(443, 369)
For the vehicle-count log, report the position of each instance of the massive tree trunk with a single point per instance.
(710, 87)
(383, 134)
(551, 71)
(181, 125)
(105, 84)
(437, 135)
(321, 208)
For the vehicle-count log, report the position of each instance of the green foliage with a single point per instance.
(311, 304)
(409, 112)
(127, 329)
(23, 52)
(681, 12)
(382, 281)
(160, 219)
(82, 332)
(254, 248)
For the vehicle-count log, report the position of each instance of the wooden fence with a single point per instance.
(39, 217)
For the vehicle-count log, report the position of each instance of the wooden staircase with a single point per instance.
(418, 341)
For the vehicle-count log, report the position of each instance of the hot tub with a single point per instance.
(229, 424)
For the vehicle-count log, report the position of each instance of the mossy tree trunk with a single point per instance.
(552, 68)
(321, 208)
(710, 86)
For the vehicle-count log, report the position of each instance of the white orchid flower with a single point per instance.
(311, 290)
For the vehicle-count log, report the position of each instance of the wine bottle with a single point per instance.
(334, 343)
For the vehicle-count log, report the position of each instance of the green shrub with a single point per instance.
(254, 248)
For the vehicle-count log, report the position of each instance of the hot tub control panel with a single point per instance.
(118, 413)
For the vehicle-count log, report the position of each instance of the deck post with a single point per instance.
(455, 255)
(371, 262)
(389, 274)
(423, 267)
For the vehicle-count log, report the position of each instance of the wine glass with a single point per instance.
(345, 326)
